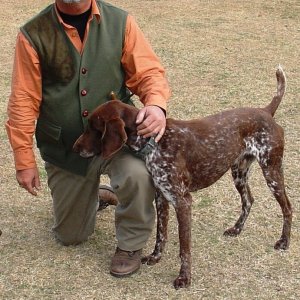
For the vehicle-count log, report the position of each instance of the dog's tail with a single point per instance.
(281, 86)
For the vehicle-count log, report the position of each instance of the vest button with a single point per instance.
(83, 70)
(85, 113)
(83, 92)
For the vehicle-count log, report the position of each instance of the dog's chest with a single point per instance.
(161, 159)
(161, 163)
(157, 164)
(161, 169)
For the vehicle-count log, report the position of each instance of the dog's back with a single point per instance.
(211, 145)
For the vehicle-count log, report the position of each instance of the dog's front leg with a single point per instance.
(162, 209)
(183, 212)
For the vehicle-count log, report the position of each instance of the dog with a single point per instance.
(193, 155)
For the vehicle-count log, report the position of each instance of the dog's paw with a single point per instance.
(233, 231)
(182, 282)
(151, 259)
(282, 244)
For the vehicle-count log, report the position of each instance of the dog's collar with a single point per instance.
(143, 152)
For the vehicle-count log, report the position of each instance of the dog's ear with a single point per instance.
(113, 138)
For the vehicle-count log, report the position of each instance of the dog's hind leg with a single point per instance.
(273, 174)
(162, 209)
(240, 173)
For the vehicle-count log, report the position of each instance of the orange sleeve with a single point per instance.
(24, 102)
(145, 75)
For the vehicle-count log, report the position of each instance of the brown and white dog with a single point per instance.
(193, 155)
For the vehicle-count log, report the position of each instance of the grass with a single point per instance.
(218, 55)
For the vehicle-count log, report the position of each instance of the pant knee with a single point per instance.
(132, 180)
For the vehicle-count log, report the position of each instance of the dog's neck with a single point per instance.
(140, 146)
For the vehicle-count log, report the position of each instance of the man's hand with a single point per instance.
(29, 180)
(152, 122)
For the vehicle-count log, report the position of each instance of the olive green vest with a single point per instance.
(73, 84)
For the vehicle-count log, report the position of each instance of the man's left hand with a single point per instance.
(152, 122)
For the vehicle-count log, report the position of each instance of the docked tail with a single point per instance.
(281, 85)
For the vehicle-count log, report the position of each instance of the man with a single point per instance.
(68, 59)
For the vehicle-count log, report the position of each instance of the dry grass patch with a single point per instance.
(218, 55)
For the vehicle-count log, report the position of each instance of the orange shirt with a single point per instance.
(145, 77)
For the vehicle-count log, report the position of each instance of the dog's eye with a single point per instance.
(94, 129)
(91, 126)
(97, 124)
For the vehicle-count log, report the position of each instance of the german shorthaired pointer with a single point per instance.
(193, 155)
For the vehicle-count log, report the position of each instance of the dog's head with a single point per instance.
(105, 134)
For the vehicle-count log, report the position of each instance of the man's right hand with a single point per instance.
(29, 180)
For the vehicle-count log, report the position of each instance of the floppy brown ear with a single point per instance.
(114, 137)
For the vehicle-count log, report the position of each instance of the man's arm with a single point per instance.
(23, 110)
(145, 77)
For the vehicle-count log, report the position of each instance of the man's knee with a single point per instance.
(139, 175)
(135, 175)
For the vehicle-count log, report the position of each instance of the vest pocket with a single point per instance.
(47, 132)
(49, 141)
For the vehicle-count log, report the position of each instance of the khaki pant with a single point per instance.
(75, 200)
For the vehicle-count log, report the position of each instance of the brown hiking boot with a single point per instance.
(106, 197)
(125, 263)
